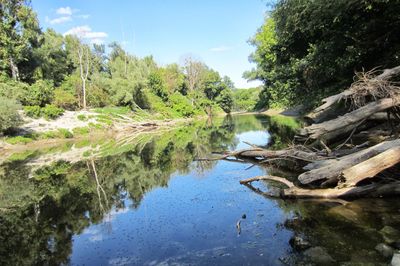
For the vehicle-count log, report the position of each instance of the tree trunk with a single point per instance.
(370, 167)
(14, 69)
(334, 128)
(333, 168)
(372, 190)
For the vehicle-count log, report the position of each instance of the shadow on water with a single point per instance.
(145, 200)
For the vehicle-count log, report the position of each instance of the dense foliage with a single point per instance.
(309, 49)
(9, 116)
(41, 68)
(246, 99)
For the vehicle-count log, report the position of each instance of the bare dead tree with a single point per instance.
(193, 71)
(84, 66)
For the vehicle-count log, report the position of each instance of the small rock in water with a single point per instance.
(319, 255)
(396, 259)
(298, 243)
(390, 234)
(384, 250)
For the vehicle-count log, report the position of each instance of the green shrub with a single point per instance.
(33, 111)
(65, 133)
(19, 139)
(181, 105)
(65, 99)
(82, 117)
(9, 116)
(39, 93)
(48, 112)
(51, 111)
(81, 130)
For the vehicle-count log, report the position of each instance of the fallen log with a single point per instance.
(369, 168)
(325, 110)
(263, 154)
(332, 129)
(372, 190)
(332, 168)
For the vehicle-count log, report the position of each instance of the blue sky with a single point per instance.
(215, 32)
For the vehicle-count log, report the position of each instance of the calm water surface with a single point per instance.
(145, 200)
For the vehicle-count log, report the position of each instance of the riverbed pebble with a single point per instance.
(319, 256)
(395, 259)
(384, 250)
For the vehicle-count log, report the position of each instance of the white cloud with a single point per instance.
(221, 49)
(60, 20)
(85, 16)
(85, 32)
(64, 11)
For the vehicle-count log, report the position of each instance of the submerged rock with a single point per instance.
(298, 243)
(390, 234)
(319, 256)
(384, 250)
(395, 259)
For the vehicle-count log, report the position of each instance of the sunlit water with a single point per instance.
(152, 203)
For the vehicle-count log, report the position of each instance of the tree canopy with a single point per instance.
(306, 50)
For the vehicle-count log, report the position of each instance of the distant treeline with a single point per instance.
(43, 68)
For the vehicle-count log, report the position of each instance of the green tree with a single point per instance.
(51, 58)
(19, 33)
(310, 49)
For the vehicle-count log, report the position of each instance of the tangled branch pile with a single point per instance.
(352, 149)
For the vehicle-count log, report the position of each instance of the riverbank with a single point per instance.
(84, 124)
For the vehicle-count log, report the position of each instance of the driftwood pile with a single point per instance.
(351, 149)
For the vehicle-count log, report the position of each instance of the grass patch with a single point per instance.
(22, 156)
(60, 133)
(82, 117)
(19, 140)
(113, 110)
(81, 130)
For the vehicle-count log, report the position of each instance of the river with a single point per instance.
(146, 200)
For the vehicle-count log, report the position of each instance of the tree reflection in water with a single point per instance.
(39, 215)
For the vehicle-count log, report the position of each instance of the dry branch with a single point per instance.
(329, 103)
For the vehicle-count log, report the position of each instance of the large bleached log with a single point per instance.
(370, 168)
(342, 125)
(333, 168)
(372, 190)
(329, 103)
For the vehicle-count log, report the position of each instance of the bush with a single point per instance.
(33, 111)
(181, 105)
(39, 93)
(51, 111)
(65, 133)
(9, 116)
(48, 112)
(82, 117)
(65, 99)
